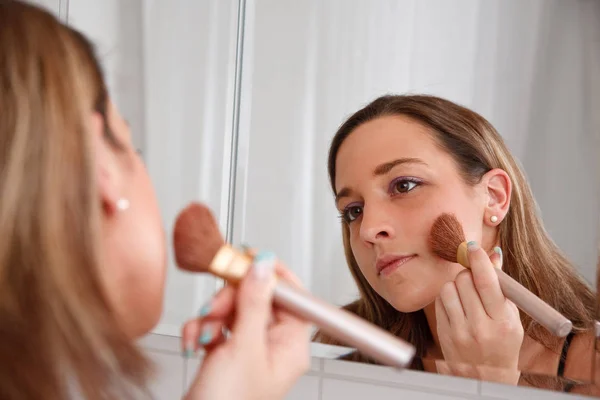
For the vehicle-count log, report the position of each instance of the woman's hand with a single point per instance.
(267, 349)
(476, 324)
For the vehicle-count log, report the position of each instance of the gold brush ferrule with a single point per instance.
(230, 264)
(461, 255)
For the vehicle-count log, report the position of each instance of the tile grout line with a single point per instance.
(321, 371)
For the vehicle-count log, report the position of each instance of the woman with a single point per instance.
(394, 167)
(82, 255)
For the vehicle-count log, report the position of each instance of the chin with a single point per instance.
(143, 324)
(143, 314)
(153, 317)
(411, 302)
(404, 308)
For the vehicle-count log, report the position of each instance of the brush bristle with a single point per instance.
(445, 237)
(196, 238)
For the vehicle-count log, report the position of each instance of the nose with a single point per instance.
(376, 224)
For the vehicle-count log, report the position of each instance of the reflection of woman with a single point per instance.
(83, 255)
(394, 166)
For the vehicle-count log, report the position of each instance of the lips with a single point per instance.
(388, 263)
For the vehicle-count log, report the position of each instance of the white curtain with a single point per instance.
(532, 67)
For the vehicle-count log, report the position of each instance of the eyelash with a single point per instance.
(416, 181)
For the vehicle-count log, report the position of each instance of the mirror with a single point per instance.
(532, 69)
(171, 82)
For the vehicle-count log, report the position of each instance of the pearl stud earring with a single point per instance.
(122, 204)
(494, 219)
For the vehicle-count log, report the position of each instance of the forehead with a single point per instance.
(394, 133)
(385, 139)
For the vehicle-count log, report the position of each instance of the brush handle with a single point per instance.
(382, 346)
(369, 339)
(532, 305)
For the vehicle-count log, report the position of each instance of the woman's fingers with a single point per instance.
(469, 297)
(221, 305)
(201, 333)
(254, 302)
(452, 305)
(443, 323)
(486, 281)
(247, 309)
(496, 257)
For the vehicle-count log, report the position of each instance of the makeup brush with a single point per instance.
(447, 240)
(199, 247)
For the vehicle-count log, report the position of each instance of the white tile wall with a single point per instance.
(497, 391)
(307, 387)
(169, 381)
(334, 380)
(344, 389)
(409, 379)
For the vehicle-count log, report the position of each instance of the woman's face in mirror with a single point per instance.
(392, 181)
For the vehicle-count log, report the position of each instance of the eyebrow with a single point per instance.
(381, 169)
(384, 168)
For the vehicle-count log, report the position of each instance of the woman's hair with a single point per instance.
(58, 333)
(530, 256)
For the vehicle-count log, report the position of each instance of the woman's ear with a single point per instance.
(105, 166)
(498, 187)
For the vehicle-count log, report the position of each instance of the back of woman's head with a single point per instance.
(56, 324)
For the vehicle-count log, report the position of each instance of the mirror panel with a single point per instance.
(530, 68)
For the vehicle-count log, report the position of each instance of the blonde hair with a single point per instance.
(57, 329)
(530, 256)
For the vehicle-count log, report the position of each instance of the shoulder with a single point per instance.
(580, 356)
(571, 358)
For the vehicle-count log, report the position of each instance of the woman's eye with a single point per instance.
(403, 186)
(351, 213)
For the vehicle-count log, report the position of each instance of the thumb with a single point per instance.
(254, 301)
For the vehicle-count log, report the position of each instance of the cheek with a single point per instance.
(467, 208)
(471, 218)
(152, 237)
(146, 266)
(362, 253)
(365, 258)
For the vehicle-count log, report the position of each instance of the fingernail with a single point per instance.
(224, 332)
(206, 336)
(205, 310)
(189, 351)
(498, 251)
(264, 264)
(472, 246)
